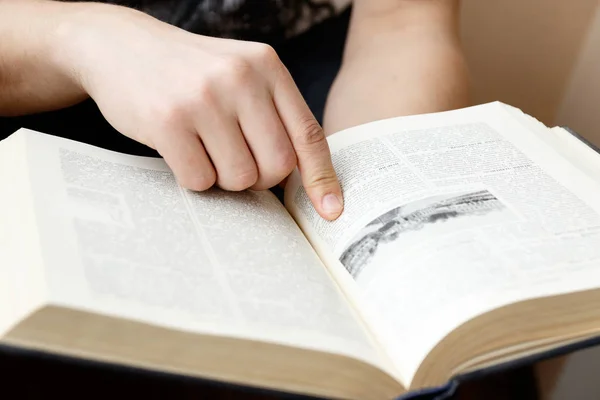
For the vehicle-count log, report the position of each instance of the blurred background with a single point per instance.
(542, 56)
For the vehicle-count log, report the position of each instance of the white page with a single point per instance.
(22, 283)
(120, 237)
(449, 216)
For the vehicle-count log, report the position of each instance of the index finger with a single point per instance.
(312, 151)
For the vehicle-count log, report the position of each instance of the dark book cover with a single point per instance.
(582, 139)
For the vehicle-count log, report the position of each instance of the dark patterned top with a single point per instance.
(268, 21)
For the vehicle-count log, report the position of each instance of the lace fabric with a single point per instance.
(268, 21)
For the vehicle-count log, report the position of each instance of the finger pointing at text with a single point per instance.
(221, 112)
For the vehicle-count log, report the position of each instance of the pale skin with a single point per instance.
(224, 112)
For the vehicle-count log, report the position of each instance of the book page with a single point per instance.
(122, 238)
(22, 286)
(582, 155)
(448, 216)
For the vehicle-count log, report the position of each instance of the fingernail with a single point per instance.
(331, 204)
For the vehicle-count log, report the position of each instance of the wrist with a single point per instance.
(67, 41)
(79, 39)
(34, 74)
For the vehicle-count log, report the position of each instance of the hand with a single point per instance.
(219, 111)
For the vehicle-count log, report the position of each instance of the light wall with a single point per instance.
(522, 52)
(580, 108)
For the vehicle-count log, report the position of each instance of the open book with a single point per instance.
(469, 238)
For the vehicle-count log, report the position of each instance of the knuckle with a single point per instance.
(201, 96)
(238, 70)
(265, 53)
(285, 164)
(168, 113)
(203, 92)
(175, 110)
(311, 134)
(321, 179)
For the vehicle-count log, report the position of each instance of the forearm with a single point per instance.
(34, 71)
(398, 61)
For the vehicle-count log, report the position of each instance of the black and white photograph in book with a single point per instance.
(423, 218)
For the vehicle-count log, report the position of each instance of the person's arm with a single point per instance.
(402, 57)
(33, 77)
(220, 112)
